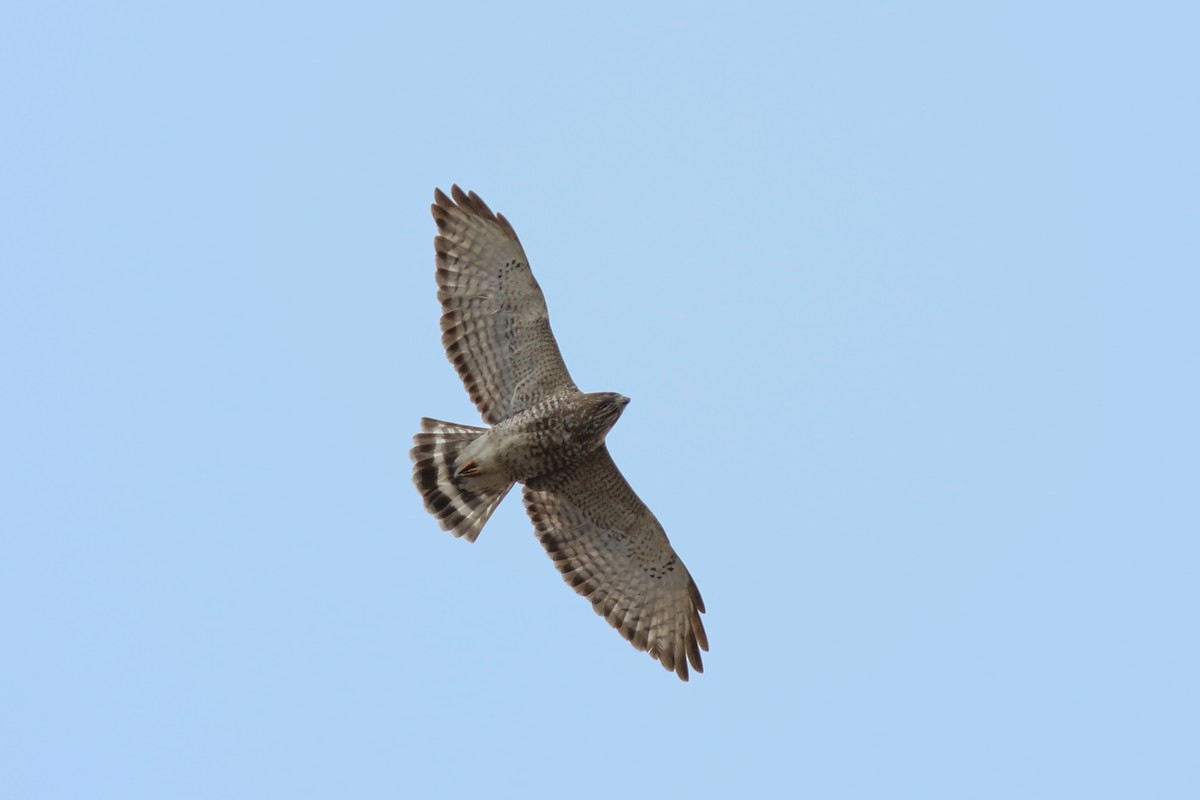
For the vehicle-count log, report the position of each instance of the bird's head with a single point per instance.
(607, 407)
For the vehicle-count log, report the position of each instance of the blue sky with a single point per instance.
(905, 298)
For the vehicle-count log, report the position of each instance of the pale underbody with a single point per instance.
(540, 441)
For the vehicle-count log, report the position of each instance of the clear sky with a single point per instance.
(905, 296)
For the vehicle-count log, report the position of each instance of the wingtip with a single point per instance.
(470, 203)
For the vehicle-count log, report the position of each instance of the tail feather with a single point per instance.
(462, 505)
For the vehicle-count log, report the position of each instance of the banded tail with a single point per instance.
(461, 503)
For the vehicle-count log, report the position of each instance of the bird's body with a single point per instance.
(545, 438)
(547, 435)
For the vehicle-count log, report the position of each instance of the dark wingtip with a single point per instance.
(470, 203)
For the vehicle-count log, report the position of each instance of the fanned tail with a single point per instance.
(461, 504)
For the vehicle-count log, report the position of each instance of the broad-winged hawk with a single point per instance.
(547, 435)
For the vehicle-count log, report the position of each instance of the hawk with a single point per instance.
(546, 434)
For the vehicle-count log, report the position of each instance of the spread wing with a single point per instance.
(611, 549)
(494, 323)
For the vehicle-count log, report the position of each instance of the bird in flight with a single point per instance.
(547, 435)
